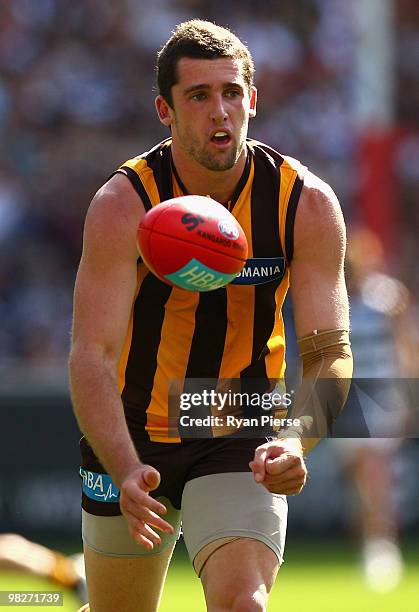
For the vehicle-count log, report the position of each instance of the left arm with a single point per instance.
(321, 311)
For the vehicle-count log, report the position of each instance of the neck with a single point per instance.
(219, 185)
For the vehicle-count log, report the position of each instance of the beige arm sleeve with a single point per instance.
(327, 371)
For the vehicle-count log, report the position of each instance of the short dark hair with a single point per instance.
(198, 39)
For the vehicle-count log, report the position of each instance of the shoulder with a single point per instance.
(114, 214)
(116, 201)
(319, 222)
(264, 151)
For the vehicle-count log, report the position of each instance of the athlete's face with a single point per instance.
(211, 109)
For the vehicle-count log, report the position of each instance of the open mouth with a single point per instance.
(221, 138)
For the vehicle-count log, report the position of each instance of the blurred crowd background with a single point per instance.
(76, 100)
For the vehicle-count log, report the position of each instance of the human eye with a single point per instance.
(199, 96)
(233, 93)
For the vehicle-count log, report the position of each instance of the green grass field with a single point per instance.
(318, 576)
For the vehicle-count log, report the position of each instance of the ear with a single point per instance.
(253, 101)
(164, 111)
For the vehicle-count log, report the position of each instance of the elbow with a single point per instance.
(86, 360)
(77, 360)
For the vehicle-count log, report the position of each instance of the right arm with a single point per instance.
(104, 295)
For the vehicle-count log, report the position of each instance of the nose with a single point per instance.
(218, 113)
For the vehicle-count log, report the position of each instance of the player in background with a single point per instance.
(21, 555)
(379, 305)
(132, 334)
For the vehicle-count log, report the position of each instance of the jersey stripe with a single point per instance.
(208, 341)
(137, 184)
(240, 298)
(159, 161)
(172, 357)
(123, 361)
(241, 184)
(292, 173)
(275, 365)
(209, 336)
(291, 212)
(142, 360)
(266, 243)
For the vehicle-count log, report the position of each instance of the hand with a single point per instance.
(280, 467)
(141, 510)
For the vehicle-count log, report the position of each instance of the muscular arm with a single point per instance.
(317, 282)
(104, 295)
(320, 304)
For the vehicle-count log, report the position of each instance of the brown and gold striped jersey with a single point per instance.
(232, 332)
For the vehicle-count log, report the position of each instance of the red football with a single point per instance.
(192, 242)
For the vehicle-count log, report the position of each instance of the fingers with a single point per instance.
(292, 487)
(142, 533)
(141, 510)
(142, 523)
(289, 482)
(281, 481)
(281, 465)
(139, 498)
(295, 471)
(271, 459)
(258, 464)
(147, 511)
(136, 490)
(271, 451)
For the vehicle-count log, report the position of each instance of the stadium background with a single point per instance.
(338, 88)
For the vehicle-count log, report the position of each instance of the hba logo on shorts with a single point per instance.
(99, 487)
(260, 270)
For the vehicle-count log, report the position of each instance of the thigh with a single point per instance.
(231, 505)
(131, 584)
(121, 574)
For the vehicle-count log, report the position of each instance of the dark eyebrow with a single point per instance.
(188, 90)
(195, 87)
